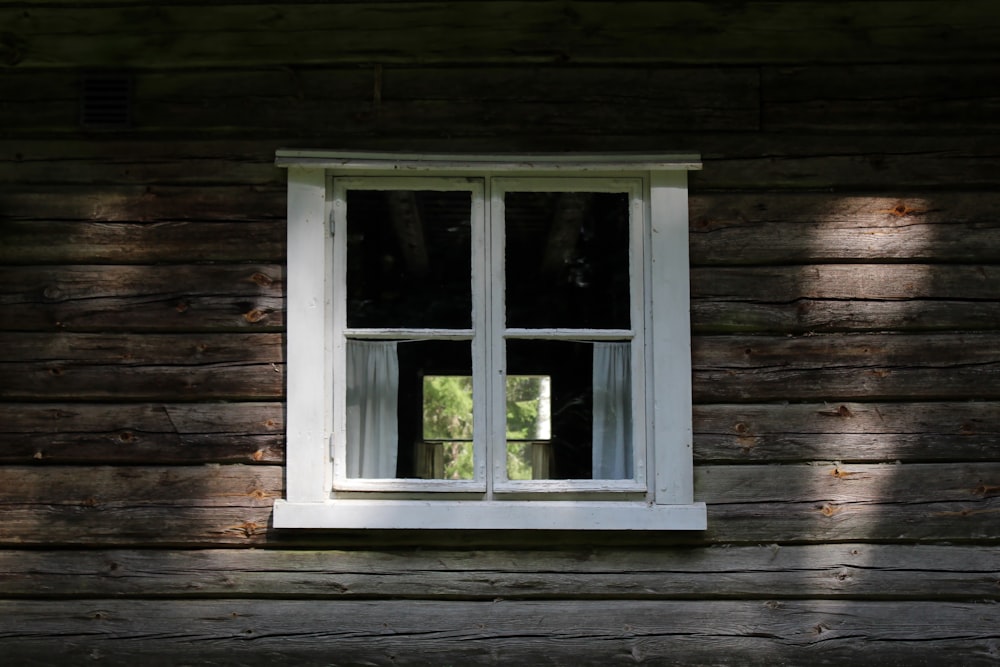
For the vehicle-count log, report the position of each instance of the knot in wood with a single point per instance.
(249, 529)
(254, 316)
(52, 293)
(262, 279)
(829, 510)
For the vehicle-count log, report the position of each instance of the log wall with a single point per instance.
(845, 244)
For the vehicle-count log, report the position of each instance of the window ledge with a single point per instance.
(496, 515)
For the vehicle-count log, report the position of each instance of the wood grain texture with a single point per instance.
(123, 632)
(835, 571)
(143, 434)
(43, 225)
(534, 32)
(169, 433)
(801, 228)
(282, 101)
(141, 366)
(798, 432)
(845, 297)
(142, 298)
(749, 504)
(29, 210)
(861, 367)
(735, 161)
(910, 97)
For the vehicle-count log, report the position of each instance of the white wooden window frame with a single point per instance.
(318, 493)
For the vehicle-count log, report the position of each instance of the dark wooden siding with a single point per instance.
(845, 244)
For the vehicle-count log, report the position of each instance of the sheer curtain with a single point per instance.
(612, 435)
(372, 394)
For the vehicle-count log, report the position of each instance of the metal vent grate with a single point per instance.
(106, 101)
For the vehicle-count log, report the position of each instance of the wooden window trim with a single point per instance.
(663, 502)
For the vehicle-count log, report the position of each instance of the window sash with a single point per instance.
(341, 333)
(489, 334)
(638, 235)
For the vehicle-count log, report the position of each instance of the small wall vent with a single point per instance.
(106, 101)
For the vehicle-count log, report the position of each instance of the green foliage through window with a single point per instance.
(447, 418)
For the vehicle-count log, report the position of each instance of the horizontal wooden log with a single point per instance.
(903, 97)
(532, 32)
(845, 282)
(727, 369)
(712, 316)
(189, 297)
(735, 160)
(849, 367)
(155, 434)
(46, 211)
(230, 505)
(413, 632)
(845, 297)
(802, 228)
(44, 242)
(149, 434)
(847, 432)
(43, 225)
(501, 100)
(779, 299)
(168, 367)
(842, 571)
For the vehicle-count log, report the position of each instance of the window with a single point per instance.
(487, 342)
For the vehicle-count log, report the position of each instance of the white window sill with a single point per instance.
(496, 515)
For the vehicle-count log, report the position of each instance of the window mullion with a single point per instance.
(481, 342)
(496, 443)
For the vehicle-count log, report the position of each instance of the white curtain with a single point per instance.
(612, 436)
(372, 395)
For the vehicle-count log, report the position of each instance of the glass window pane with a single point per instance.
(529, 425)
(569, 412)
(447, 427)
(409, 258)
(567, 260)
(409, 409)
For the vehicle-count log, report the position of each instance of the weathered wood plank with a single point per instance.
(847, 432)
(154, 434)
(149, 434)
(44, 242)
(864, 162)
(842, 571)
(931, 98)
(159, 164)
(779, 299)
(101, 203)
(727, 369)
(845, 297)
(189, 297)
(425, 32)
(230, 505)
(279, 102)
(848, 367)
(168, 367)
(800, 228)
(412, 632)
(728, 229)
